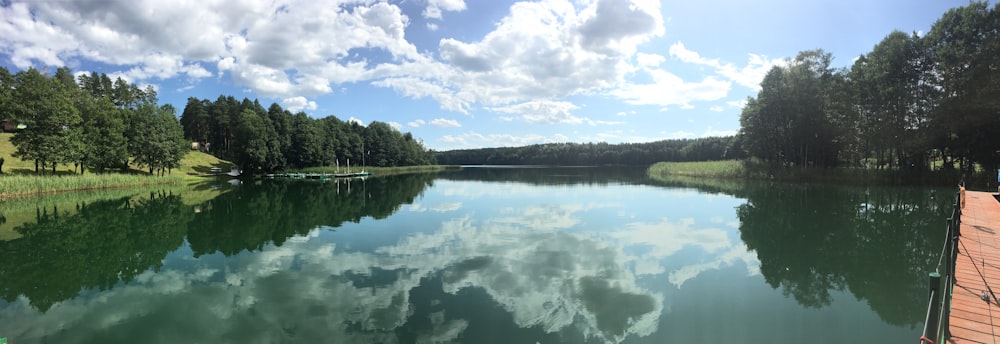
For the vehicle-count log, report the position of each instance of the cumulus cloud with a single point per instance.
(475, 139)
(445, 123)
(275, 49)
(396, 125)
(434, 7)
(649, 60)
(538, 52)
(748, 76)
(416, 123)
(543, 111)
(737, 103)
(709, 132)
(296, 104)
(668, 89)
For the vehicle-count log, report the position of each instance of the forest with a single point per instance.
(273, 139)
(579, 154)
(90, 122)
(102, 125)
(915, 101)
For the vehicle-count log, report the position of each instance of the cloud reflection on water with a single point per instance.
(529, 261)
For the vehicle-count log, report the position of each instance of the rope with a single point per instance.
(925, 340)
(944, 248)
(989, 308)
(987, 284)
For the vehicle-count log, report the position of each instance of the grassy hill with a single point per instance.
(194, 163)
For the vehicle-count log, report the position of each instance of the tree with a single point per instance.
(255, 145)
(7, 84)
(159, 144)
(103, 139)
(52, 120)
(306, 147)
(196, 121)
(965, 43)
(791, 120)
(888, 91)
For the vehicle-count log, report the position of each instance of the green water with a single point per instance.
(484, 255)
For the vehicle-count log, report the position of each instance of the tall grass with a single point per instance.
(750, 169)
(708, 169)
(23, 185)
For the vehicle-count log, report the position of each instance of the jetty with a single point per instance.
(963, 304)
(320, 176)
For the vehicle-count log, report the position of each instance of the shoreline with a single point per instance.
(741, 170)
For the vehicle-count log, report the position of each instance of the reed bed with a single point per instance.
(755, 170)
(24, 185)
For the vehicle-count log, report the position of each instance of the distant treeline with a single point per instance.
(710, 148)
(913, 102)
(272, 139)
(89, 121)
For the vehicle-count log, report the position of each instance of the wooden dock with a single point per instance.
(321, 176)
(972, 319)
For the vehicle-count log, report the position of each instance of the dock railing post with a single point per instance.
(933, 310)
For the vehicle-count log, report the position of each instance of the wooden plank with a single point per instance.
(973, 320)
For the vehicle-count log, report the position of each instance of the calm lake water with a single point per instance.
(483, 255)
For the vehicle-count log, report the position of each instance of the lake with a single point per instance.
(482, 255)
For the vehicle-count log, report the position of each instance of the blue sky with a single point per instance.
(462, 74)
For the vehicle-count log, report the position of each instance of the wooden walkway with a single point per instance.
(974, 320)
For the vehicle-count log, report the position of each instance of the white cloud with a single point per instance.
(748, 76)
(434, 7)
(419, 88)
(416, 123)
(739, 104)
(432, 26)
(474, 139)
(712, 132)
(649, 60)
(548, 50)
(668, 89)
(716, 108)
(445, 123)
(543, 111)
(538, 51)
(709, 132)
(277, 49)
(296, 104)
(680, 134)
(352, 119)
(396, 125)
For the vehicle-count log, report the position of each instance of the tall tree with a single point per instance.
(792, 119)
(888, 84)
(103, 137)
(255, 146)
(52, 121)
(965, 43)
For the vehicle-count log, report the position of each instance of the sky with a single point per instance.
(461, 74)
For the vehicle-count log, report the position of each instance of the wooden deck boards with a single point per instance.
(972, 319)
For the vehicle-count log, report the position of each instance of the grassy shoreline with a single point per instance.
(738, 169)
(26, 185)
